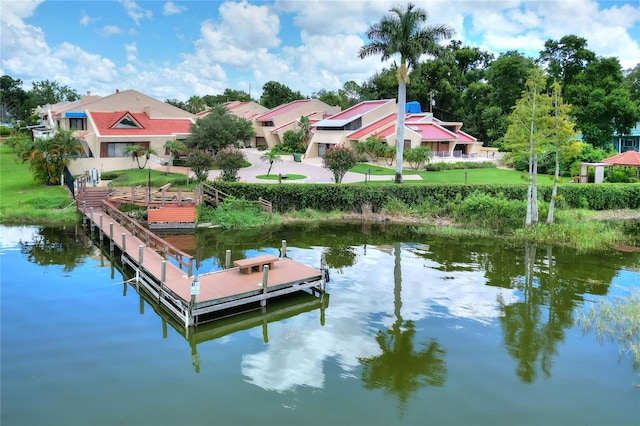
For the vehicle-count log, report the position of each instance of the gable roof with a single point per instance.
(105, 121)
(372, 127)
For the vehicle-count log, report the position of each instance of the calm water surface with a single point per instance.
(415, 330)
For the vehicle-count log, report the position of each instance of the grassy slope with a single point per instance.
(22, 199)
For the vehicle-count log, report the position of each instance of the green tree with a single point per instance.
(137, 151)
(527, 133)
(382, 85)
(339, 160)
(402, 32)
(418, 156)
(177, 103)
(562, 138)
(601, 102)
(566, 59)
(230, 160)
(175, 147)
(275, 94)
(200, 163)
(292, 141)
(12, 99)
(226, 96)
(47, 157)
(632, 81)
(219, 129)
(50, 92)
(271, 156)
(330, 98)
(195, 104)
(372, 146)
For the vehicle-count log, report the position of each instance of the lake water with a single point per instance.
(416, 330)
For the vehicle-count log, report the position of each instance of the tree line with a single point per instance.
(464, 83)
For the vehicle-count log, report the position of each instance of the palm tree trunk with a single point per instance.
(402, 101)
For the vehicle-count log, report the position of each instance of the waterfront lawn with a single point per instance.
(22, 199)
(488, 175)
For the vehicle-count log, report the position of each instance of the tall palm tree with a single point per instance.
(402, 32)
(175, 147)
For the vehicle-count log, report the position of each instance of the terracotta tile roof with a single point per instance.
(627, 158)
(104, 122)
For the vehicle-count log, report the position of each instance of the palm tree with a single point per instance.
(271, 156)
(402, 32)
(134, 150)
(175, 147)
(305, 130)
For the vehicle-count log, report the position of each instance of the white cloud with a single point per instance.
(85, 19)
(109, 30)
(132, 51)
(135, 11)
(170, 8)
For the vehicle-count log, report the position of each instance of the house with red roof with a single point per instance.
(106, 125)
(379, 118)
(271, 125)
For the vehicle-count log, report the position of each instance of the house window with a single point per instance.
(116, 149)
(126, 123)
(407, 144)
(267, 124)
(77, 124)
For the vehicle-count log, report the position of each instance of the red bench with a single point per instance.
(246, 265)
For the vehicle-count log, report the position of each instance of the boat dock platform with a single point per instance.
(165, 272)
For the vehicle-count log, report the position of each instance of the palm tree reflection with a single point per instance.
(401, 370)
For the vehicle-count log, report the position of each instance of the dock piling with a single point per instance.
(124, 243)
(284, 248)
(111, 237)
(91, 213)
(265, 276)
(228, 259)
(140, 255)
(101, 233)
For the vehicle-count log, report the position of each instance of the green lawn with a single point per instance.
(22, 199)
(488, 175)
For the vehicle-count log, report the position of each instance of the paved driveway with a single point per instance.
(311, 168)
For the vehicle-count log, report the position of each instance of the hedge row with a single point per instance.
(326, 197)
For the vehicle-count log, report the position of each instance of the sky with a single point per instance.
(178, 49)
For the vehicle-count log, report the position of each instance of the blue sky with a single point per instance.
(176, 49)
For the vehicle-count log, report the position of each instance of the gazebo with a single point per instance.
(627, 159)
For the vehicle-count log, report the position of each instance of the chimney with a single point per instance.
(88, 93)
(117, 90)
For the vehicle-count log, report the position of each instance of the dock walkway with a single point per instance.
(165, 271)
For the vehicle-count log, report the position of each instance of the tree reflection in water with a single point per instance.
(528, 339)
(65, 246)
(400, 370)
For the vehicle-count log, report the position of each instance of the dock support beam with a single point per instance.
(284, 249)
(124, 243)
(91, 212)
(163, 276)
(101, 233)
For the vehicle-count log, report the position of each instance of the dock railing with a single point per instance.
(151, 240)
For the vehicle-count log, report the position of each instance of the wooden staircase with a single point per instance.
(92, 197)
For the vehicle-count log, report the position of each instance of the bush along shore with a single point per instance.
(461, 209)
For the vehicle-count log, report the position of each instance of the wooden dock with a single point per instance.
(165, 272)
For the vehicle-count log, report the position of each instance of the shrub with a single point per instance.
(230, 160)
(339, 160)
(200, 163)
